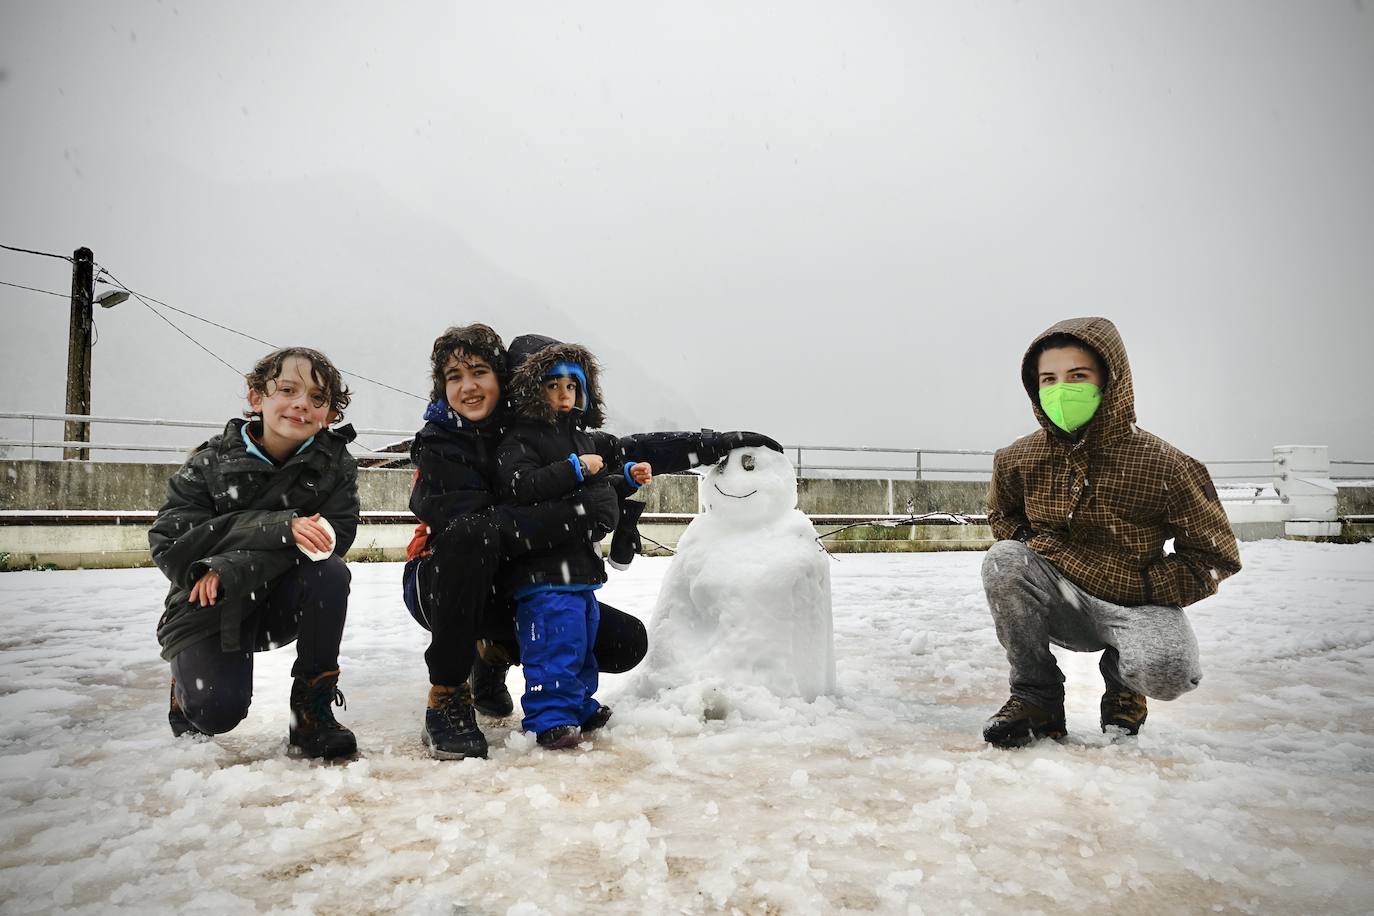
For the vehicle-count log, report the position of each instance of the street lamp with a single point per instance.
(110, 298)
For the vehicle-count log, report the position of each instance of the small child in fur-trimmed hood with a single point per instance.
(548, 453)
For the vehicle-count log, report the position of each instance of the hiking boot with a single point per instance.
(1019, 723)
(489, 693)
(560, 737)
(451, 731)
(1123, 709)
(314, 730)
(597, 719)
(177, 719)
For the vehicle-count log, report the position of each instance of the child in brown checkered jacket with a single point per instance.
(1082, 509)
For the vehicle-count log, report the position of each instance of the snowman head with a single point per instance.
(750, 486)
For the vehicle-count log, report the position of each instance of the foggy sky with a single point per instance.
(835, 223)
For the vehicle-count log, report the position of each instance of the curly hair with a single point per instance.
(322, 373)
(470, 340)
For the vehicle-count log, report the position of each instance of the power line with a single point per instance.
(104, 272)
(60, 257)
(222, 327)
(170, 323)
(34, 289)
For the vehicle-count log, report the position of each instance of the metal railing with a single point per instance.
(915, 463)
(34, 443)
(1353, 464)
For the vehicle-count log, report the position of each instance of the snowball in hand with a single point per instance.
(318, 555)
(746, 602)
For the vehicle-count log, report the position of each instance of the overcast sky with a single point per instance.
(835, 223)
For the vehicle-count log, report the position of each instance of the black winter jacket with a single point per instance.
(455, 475)
(455, 466)
(534, 467)
(230, 511)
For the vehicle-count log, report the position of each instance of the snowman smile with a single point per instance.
(732, 495)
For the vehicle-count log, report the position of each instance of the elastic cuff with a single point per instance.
(634, 484)
(576, 462)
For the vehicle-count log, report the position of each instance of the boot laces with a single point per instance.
(457, 710)
(321, 699)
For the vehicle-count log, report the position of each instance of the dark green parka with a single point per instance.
(230, 511)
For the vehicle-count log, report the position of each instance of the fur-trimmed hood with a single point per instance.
(533, 355)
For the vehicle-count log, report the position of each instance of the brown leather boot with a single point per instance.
(1123, 709)
(1019, 722)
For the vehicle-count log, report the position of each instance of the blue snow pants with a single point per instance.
(557, 631)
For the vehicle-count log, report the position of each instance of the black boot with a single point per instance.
(177, 719)
(1019, 722)
(597, 719)
(451, 731)
(489, 693)
(314, 729)
(560, 737)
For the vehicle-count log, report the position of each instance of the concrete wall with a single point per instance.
(73, 486)
(1355, 501)
(818, 496)
(82, 485)
(128, 496)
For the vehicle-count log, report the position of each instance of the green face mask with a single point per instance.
(1070, 405)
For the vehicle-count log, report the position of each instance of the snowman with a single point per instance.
(745, 604)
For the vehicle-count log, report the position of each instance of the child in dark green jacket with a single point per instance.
(253, 536)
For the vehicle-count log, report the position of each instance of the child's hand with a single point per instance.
(206, 589)
(592, 463)
(310, 535)
(641, 472)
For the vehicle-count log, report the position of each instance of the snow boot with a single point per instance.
(1019, 723)
(489, 693)
(1124, 709)
(560, 737)
(597, 719)
(314, 730)
(451, 731)
(625, 542)
(177, 719)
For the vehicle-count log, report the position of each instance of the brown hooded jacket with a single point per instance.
(1099, 505)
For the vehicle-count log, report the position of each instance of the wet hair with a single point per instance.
(1030, 369)
(476, 340)
(322, 372)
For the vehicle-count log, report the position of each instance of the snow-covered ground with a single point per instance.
(1254, 794)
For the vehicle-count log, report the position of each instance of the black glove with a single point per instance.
(625, 541)
(715, 446)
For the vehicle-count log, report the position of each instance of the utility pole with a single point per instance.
(79, 353)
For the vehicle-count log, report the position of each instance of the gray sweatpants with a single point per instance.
(1150, 649)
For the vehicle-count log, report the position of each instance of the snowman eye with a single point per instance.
(746, 462)
(720, 465)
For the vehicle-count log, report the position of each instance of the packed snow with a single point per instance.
(745, 604)
(1252, 794)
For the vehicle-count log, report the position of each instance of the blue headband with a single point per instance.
(570, 370)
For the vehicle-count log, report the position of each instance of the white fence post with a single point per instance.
(1302, 476)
